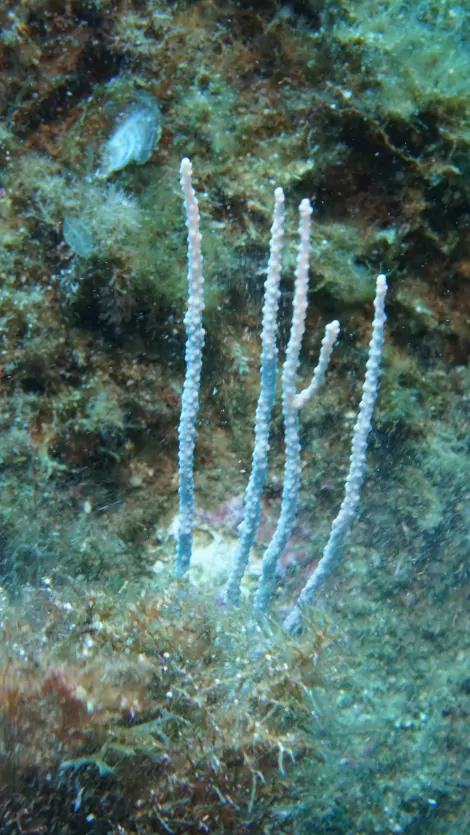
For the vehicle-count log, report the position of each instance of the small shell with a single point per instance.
(134, 137)
(77, 236)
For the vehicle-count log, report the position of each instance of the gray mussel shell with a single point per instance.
(134, 137)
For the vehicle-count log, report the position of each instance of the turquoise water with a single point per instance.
(131, 701)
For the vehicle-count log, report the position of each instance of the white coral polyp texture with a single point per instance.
(327, 345)
(292, 402)
(252, 503)
(292, 466)
(342, 524)
(193, 355)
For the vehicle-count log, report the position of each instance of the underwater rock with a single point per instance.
(77, 235)
(135, 136)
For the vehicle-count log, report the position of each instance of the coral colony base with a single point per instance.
(292, 403)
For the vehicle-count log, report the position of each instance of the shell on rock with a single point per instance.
(134, 137)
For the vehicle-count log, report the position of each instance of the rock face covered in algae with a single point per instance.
(129, 704)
